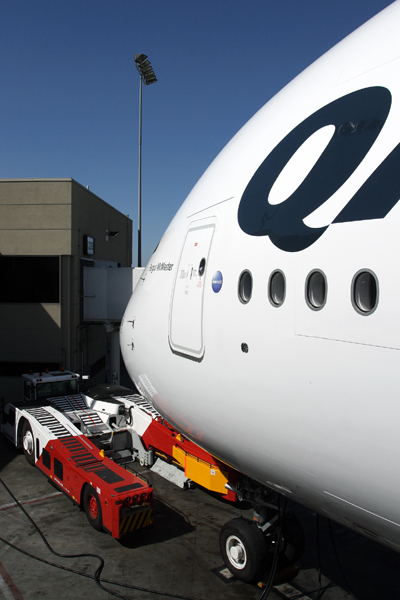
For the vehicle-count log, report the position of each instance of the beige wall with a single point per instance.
(35, 217)
(35, 191)
(49, 218)
(92, 216)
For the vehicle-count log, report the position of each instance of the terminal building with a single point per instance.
(50, 230)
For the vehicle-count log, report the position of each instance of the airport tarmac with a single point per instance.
(179, 557)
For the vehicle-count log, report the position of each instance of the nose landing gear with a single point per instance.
(248, 551)
(243, 548)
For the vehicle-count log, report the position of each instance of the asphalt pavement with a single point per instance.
(179, 557)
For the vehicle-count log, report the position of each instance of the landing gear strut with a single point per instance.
(243, 548)
(248, 552)
(248, 547)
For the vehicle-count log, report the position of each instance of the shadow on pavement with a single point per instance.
(169, 523)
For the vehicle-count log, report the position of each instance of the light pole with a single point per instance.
(148, 77)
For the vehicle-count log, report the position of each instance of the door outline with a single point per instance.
(185, 324)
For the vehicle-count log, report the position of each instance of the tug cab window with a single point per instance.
(51, 389)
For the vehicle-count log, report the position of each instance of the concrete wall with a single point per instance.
(92, 216)
(35, 217)
(45, 217)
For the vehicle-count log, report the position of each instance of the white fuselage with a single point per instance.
(303, 400)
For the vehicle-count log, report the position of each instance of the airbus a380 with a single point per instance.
(266, 324)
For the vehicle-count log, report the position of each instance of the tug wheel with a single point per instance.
(243, 548)
(28, 443)
(92, 507)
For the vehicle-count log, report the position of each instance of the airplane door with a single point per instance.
(186, 310)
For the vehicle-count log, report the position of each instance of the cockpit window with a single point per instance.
(202, 267)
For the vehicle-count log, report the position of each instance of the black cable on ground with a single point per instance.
(308, 593)
(88, 576)
(319, 559)
(338, 561)
(328, 586)
(268, 587)
(98, 571)
(274, 565)
(45, 540)
(320, 591)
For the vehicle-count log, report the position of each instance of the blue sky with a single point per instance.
(69, 88)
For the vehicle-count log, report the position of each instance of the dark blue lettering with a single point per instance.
(358, 119)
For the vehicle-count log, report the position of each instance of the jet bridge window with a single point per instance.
(364, 292)
(316, 290)
(245, 287)
(30, 279)
(277, 288)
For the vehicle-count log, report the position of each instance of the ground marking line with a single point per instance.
(7, 587)
(289, 592)
(31, 501)
(4, 591)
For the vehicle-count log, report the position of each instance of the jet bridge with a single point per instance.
(106, 293)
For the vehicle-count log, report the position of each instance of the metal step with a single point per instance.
(48, 420)
(68, 403)
(92, 423)
(120, 456)
(143, 404)
(172, 473)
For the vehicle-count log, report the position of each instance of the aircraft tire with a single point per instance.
(92, 508)
(28, 443)
(243, 548)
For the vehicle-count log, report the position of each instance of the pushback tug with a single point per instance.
(81, 444)
(76, 444)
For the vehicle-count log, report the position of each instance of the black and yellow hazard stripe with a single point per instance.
(136, 521)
